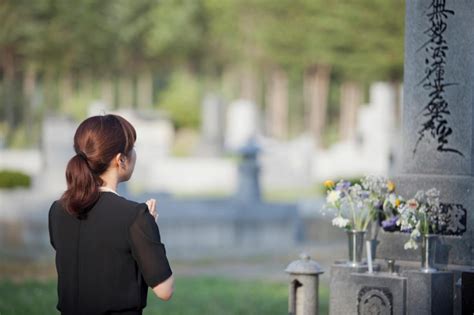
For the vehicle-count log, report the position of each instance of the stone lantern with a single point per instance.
(303, 287)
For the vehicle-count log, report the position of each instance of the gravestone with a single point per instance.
(212, 127)
(56, 152)
(438, 123)
(438, 152)
(242, 123)
(154, 141)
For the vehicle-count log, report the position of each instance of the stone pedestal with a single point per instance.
(342, 298)
(354, 291)
(429, 293)
(380, 293)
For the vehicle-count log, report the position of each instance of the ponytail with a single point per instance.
(97, 141)
(82, 187)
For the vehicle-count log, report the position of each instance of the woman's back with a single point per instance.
(106, 261)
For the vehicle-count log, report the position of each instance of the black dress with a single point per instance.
(106, 262)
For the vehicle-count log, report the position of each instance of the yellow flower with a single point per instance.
(329, 184)
(397, 202)
(390, 186)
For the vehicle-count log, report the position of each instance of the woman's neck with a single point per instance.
(110, 180)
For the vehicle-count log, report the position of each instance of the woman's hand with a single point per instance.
(151, 203)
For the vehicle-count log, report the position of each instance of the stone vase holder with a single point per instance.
(356, 246)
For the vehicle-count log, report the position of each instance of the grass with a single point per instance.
(193, 296)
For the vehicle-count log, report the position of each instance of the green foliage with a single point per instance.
(12, 179)
(31, 297)
(193, 296)
(181, 100)
(359, 40)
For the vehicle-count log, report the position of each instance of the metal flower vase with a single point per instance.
(356, 247)
(428, 247)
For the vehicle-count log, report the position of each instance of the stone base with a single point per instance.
(429, 293)
(342, 298)
(354, 291)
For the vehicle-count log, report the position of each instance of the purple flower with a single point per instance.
(390, 224)
(406, 230)
(343, 185)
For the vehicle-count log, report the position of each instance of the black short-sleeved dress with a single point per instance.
(106, 262)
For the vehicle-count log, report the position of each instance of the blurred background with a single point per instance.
(242, 108)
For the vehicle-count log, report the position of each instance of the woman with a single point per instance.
(108, 248)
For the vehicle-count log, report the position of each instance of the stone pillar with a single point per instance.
(437, 130)
(438, 123)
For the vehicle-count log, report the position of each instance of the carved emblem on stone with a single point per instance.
(454, 217)
(374, 301)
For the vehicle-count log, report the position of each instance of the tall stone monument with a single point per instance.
(438, 151)
(438, 147)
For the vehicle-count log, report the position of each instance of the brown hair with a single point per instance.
(97, 141)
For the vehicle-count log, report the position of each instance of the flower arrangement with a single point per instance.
(356, 205)
(374, 199)
(421, 215)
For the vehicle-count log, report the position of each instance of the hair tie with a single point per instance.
(82, 155)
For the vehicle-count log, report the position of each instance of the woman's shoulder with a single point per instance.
(121, 202)
(55, 206)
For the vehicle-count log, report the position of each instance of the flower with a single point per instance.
(415, 234)
(356, 205)
(397, 202)
(413, 204)
(420, 216)
(343, 185)
(390, 224)
(340, 222)
(390, 186)
(329, 184)
(411, 244)
(333, 196)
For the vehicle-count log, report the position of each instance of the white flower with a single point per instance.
(333, 196)
(411, 244)
(415, 234)
(340, 222)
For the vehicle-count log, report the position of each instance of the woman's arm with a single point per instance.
(165, 289)
(150, 254)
